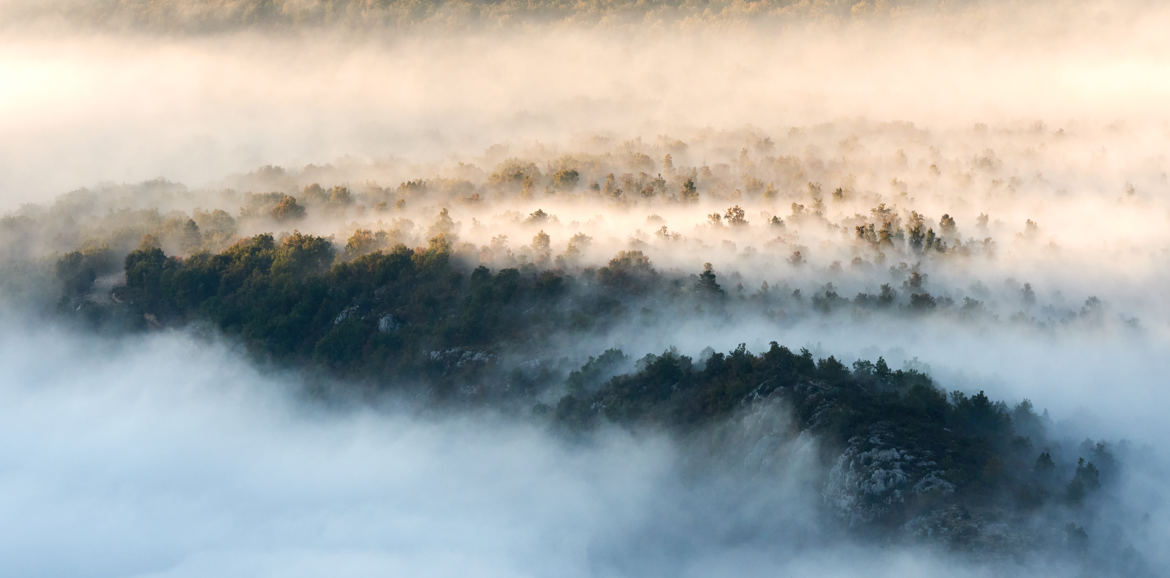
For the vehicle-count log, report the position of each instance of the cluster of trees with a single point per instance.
(994, 456)
(393, 316)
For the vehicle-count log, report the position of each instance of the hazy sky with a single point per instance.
(80, 108)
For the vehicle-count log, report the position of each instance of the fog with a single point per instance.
(555, 141)
(122, 464)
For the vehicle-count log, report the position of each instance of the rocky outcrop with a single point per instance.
(874, 479)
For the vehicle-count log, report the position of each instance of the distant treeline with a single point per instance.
(788, 231)
(216, 15)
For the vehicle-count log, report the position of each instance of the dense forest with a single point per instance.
(902, 454)
(903, 458)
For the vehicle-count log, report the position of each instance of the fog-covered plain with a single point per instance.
(1039, 129)
(170, 455)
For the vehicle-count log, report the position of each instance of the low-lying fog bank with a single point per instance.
(172, 455)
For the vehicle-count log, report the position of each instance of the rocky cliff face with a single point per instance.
(878, 483)
(876, 478)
